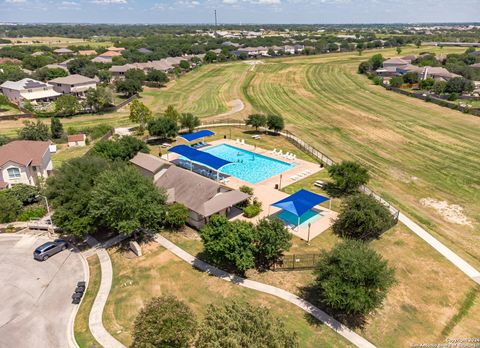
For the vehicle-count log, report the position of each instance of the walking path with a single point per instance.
(95, 322)
(236, 106)
(463, 265)
(285, 295)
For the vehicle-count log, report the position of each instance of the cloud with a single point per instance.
(109, 2)
(255, 2)
(15, 1)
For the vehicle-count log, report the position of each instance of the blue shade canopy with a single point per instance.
(197, 135)
(201, 157)
(300, 202)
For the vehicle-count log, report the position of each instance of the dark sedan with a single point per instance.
(44, 251)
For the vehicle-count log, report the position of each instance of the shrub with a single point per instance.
(362, 217)
(10, 207)
(35, 211)
(122, 149)
(251, 211)
(243, 325)
(377, 80)
(275, 123)
(176, 216)
(453, 96)
(348, 176)
(26, 194)
(352, 279)
(396, 81)
(164, 322)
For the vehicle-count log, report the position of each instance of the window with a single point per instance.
(13, 173)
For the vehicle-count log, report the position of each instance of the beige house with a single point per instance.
(74, 84)
(77, 140)
(24, 162)
(203, 197)
(63, 51)
(28, 90)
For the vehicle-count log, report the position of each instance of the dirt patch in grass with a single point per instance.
(450, 212)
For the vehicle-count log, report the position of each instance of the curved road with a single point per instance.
(36, 308)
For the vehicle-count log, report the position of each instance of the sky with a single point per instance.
(239, 11)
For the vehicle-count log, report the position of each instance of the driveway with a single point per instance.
(36, 305)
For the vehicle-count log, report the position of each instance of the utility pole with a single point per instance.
(215, 11)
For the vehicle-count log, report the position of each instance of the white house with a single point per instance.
(24, 162)
(77, 140)
(28, 90)
(74, 84)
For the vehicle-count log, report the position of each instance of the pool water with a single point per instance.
(246, 165)
(291, 219)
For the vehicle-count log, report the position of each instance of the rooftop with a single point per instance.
(72, 80)
(23, 84)
(149, 162)
(76, 137)
(23, 152)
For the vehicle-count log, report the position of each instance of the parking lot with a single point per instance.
(36, 308)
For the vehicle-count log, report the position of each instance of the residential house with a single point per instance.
(203, 197)
(116, 49)
(75, 84)
(299, 48)
(438, 73)
(10, 60)
(24, 162)
(288, 49)
(63, 51)
(410, 58)
(395, 62)
(77, 140)
(106, 57)
(28, 90)
(104, 60)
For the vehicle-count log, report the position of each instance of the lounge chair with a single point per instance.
(166, 145)
(256, 136)
(280, 152)
(294, 177)
(237, 141)
(319, 183)
(242, 142)
(273, 152)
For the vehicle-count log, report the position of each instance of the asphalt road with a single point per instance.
(35, 296)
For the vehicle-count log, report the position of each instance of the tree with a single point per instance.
(364, 67)
(99, 98)
(105, 76)
(10, 207)
(69, 193)
(172, 113)
(363, 218)
(140, 113)
(348, 176)
(459, 85)
(125, 201)
(176, 216)
(3, 100)
(164, 322)
(229, 244)
(34, 131)
(56, 128)
(399, 50)
(66, 105)
(163, 127)
(189, 121)
(396, 81)
(238, 324)
(122, 149)
(352, 279)
(129, 87)
(376, 61)
(11, 72)
(135, 74)
(157, 76)
(275, 123)
(273, 239)
(184, 64)
(256, 120)
(410, 77)
(427, 84)
(46, 74)
(439, 87)
(26, 194)
(210, 57)
(418, 43)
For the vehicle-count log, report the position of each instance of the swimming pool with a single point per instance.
(309, 216)
(246, 165)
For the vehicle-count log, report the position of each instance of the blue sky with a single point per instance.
(239, 11)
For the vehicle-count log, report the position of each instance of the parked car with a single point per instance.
(44, 251)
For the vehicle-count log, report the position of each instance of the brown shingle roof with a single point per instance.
(23, 152)
(110, 54)
(148, 162)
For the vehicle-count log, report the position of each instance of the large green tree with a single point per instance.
(256, 120)
(348, 176)
(66, 105)
(275, 123)
(129, 87)
(140, 113)
(99, 98)
(164, 127)
(157, 76)
(34, 131)
(10, 207)
(46, 74)
(243, 325)
(352, 279)
(189, 121)
(272, 240)
(123, 149)
(362, 217)
(229, 244)
(164, 322)
(56, 128)
(172, 113)
(126, 202)
(176, 216)
(69, 193)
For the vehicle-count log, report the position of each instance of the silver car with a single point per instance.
(44, 251)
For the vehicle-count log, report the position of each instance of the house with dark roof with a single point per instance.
(24, 162)
(28, 90)
(202, 196)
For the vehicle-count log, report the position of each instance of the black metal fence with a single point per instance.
(296, 262)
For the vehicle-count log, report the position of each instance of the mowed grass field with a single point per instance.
(414, 149)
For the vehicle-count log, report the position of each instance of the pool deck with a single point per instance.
(265, 190)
